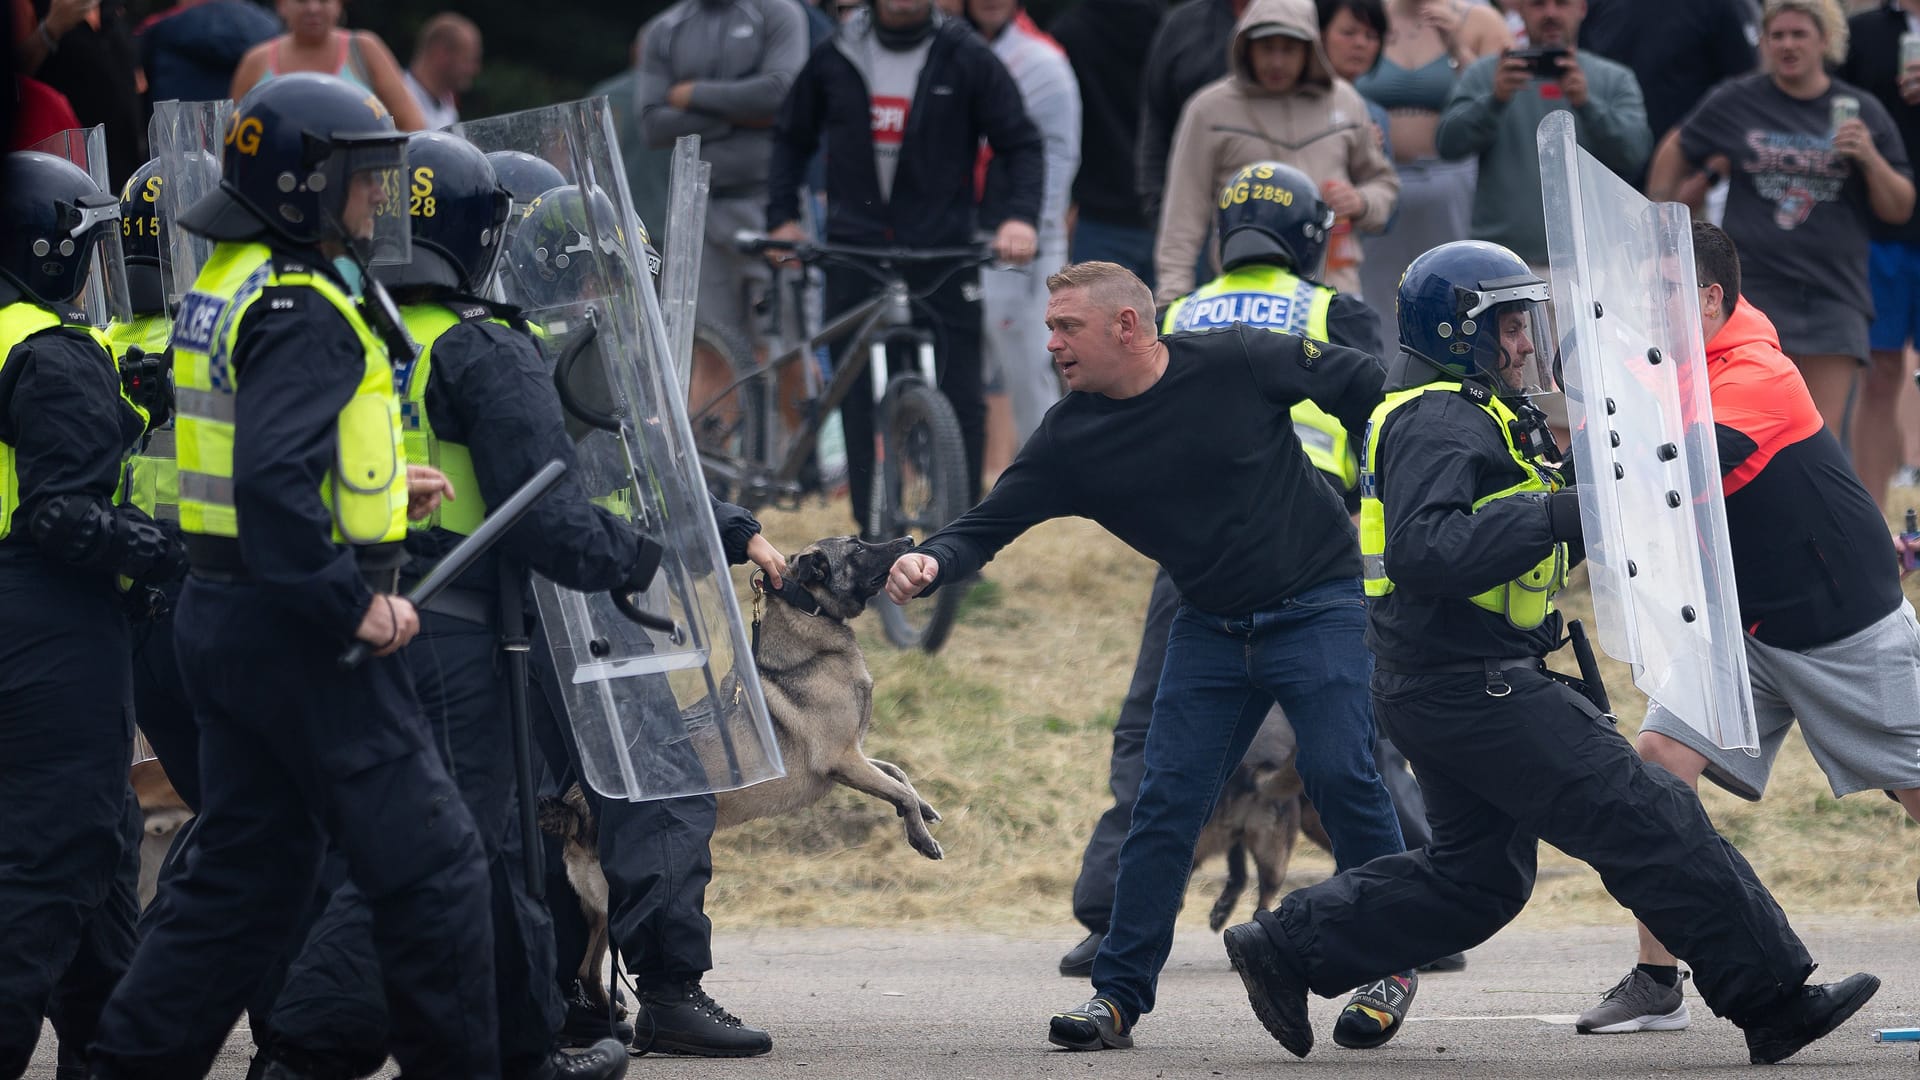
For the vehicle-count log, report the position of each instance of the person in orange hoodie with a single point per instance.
(1831, 640)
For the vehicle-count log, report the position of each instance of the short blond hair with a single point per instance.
(1111, 285)
(1826, 15)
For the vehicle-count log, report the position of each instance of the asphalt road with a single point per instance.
(943, 1005)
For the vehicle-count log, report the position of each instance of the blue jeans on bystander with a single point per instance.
(1222, 674)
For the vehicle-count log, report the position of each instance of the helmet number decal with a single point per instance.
(421, 202)
(1244, 190)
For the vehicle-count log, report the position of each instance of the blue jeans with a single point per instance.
(1129, 245)
(1221, 676)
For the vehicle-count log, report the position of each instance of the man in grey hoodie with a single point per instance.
(720, 69)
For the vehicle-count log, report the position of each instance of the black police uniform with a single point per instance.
(287, 738)
(658, 859)
(1508, 757)
(66, 716)
(490, 390)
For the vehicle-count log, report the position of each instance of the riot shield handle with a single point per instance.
(464, 554)
(674, 631)
(563, 377)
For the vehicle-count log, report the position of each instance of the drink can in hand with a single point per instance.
(1845, 107)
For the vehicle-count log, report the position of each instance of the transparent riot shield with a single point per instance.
(1643, 440)
(656, 712)
(680, 276)
(186, 138)
(105, 297)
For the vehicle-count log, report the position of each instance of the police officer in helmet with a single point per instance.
(66, 426)
(160, 702)
(295, 496)
(479, 406)
(1466, 535)
(655, 854)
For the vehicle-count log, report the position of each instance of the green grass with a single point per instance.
(1007, 730)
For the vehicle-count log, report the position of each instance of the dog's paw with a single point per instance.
(928, 812)
(929, 847)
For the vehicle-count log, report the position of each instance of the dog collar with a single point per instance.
(793, 594)
(789, 593)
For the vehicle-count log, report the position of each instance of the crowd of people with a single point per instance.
(1331, 212)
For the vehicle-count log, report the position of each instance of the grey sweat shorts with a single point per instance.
(1857, 700)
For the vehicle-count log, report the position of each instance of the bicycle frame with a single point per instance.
(875, 322)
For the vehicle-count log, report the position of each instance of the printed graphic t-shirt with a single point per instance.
(1797, 210)
(893, 77)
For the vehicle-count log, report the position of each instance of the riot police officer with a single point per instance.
(151, 482)
(655, 854)
(1466, 534)
(479, 405)
(294, 497)
(66, 426)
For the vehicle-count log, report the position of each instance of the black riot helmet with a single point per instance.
(567, 246)
(1272, 213)
(143, 229)
(458, 212)
(51, 218)
(304, 152)
(524, 176)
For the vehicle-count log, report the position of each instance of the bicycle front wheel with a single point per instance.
(729, 421)
(923, 486)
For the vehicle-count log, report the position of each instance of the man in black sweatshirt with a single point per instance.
(1182, 447)
(900, 99)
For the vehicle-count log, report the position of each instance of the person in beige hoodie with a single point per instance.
(1279, 101)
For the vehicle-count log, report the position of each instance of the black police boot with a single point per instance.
(1275, 986)
(587, 1021)
(604, 1060)
(1078, 963)
(1812, 1013)
(679, 1018)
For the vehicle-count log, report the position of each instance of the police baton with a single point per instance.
(468, 551)
(1589, 667)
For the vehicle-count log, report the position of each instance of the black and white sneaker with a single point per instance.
(1374, 1014)
(1097, 1025)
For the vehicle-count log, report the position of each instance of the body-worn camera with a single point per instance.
(1541, 63)
(148, 379)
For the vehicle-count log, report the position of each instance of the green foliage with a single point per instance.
(535, 54)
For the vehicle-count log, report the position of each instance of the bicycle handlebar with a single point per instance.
(815, 251)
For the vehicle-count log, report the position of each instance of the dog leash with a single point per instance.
(793, 595)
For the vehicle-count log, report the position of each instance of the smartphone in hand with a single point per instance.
(1542, 63)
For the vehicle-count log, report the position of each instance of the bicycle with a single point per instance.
(920, 481)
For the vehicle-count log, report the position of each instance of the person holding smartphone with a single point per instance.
(1496, 107)
(1499, 101)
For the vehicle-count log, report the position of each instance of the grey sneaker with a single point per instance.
(1637, 1003)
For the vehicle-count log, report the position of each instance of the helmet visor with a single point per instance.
(1518, 327)
(374, 207)
(94, 222)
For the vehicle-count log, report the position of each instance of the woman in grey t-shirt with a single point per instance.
(1805, 180)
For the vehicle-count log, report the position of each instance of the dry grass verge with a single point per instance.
(1006, 731)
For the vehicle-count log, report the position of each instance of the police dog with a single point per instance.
(819, 695)
(1263, 811)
